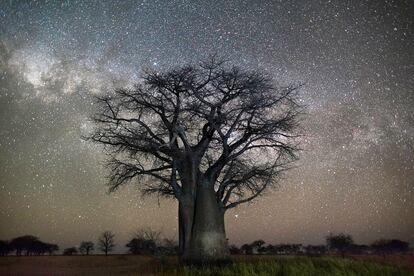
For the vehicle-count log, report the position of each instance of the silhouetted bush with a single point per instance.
(147, 241)
(235, 250)
(247, 249)
(168, 247)
(315, 250)
(384, 246)
(141, 246)
(257, 247)
(339, 242)
(358, 249)
(70, 251)
(288, 249)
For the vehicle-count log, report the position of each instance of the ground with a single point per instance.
(146, 265)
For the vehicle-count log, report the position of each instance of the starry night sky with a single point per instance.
(356, 170)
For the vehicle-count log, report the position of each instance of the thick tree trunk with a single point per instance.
(186, 204)
(185, 224)
(208, 243)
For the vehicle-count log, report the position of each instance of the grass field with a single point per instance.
(298, 266)
(243, 265)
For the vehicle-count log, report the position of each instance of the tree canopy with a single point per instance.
(235, 123)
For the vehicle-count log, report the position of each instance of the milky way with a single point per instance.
(356, 59)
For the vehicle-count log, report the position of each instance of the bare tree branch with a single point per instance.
(196, 124)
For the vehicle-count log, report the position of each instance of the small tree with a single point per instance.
(340, 242)
(85, 247)
(24, 243)
(70, 251)
(106, 242)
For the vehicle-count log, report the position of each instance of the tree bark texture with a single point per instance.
(207, 242)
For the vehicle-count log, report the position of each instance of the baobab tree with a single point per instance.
(210, 135)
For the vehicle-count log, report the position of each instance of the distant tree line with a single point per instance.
(27, 245)
(143, 242)
(340, 244)
(260, 247)
(344, 244)
(106, 243)
(30, 245)
(149, 242)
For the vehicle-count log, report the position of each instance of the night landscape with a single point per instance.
(207, 137)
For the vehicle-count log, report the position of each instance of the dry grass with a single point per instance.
(138, 265)
(296, 266)
(404, 260)
(85, 265)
